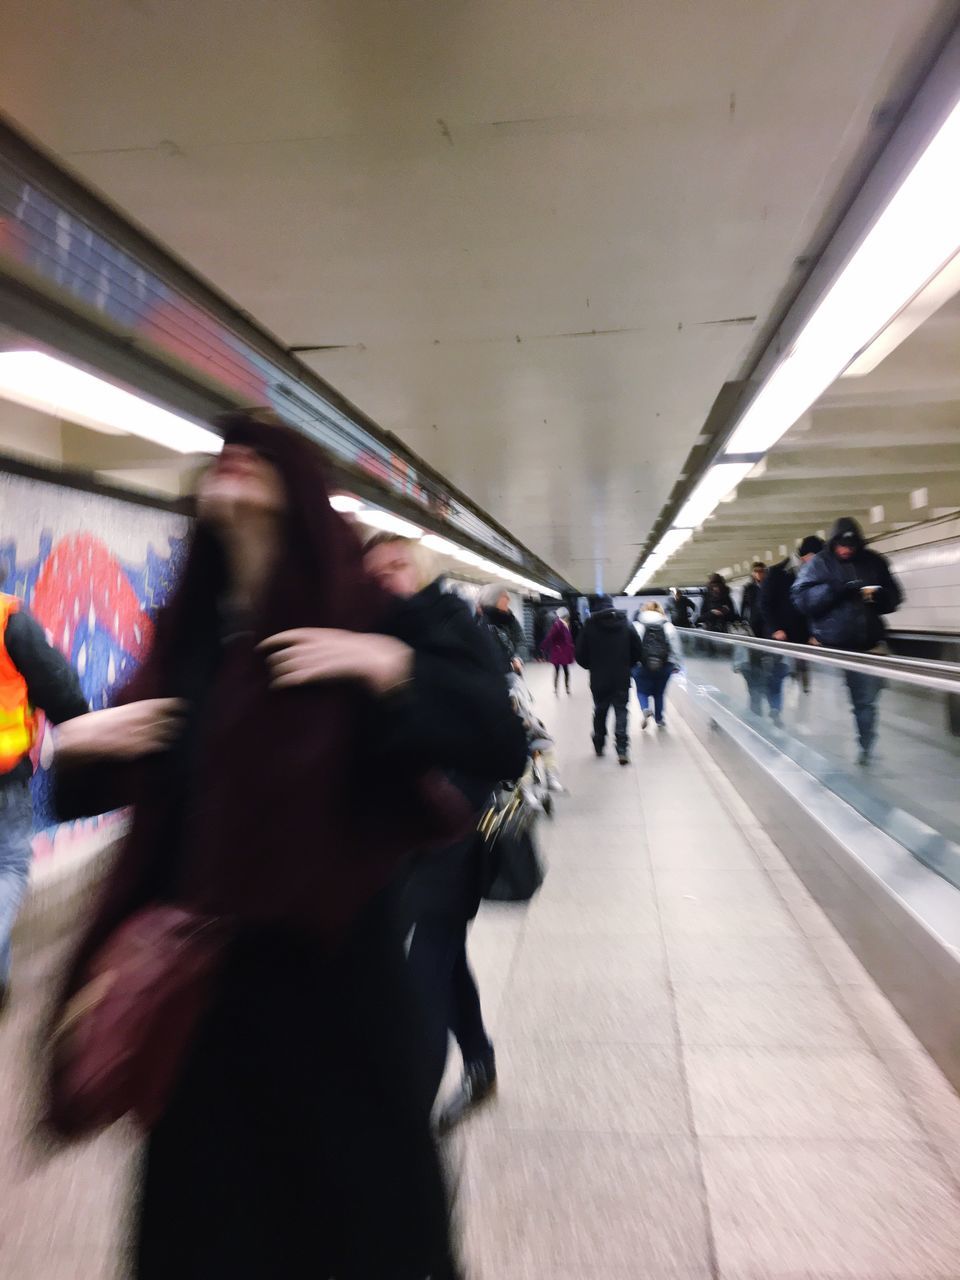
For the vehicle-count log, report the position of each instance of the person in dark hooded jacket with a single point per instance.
(844, 593)
(609, 648)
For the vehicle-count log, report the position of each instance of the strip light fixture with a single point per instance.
(914, 238)
(376, 518)
(43, 382)
(904, 268)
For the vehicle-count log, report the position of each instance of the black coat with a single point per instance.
(750, 608)
(609, 648)
(778, 610)
(448, 882)
(52, 684)
(723, 602)
(681, 610)
(506, 634)
(827, 592)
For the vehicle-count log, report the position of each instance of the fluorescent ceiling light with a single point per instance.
(673, 540)
(346, 504)
(711, 489)
(920, 308)
(916, 235)
(442, 546)
(388, 522)
(52, 386)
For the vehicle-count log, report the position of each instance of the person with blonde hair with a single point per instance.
(661, 655)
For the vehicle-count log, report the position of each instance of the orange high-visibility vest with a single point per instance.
(18, 720)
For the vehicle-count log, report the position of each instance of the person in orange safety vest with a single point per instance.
(34, 677)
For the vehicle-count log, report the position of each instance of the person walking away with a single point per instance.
(34, 677)
(305, 757)
(844, 591)
(717, 610)
(763, 673)
(680, 608)
(661, 657)
(750, 612)
(559, 649)
(782, 620)
(609, 648)
(440, 894)
(497, 616)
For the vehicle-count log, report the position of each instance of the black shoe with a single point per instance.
(623, 758)
(865, 758)
(479, 1085)
(598, 747)
(4, 997)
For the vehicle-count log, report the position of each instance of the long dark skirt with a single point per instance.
(298, 1143)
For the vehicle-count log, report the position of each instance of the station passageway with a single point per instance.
(697, 1076)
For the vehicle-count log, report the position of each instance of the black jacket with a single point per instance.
(750, 608)
(828, 592)
(681, 610)
(609, 648)
(778, 610)
(506, 633)
(448, 882)
(52, 684)
(723, 602)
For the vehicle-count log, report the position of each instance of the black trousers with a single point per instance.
(298, 1141)
(557, 668)
(602, 702)
(451, 1003)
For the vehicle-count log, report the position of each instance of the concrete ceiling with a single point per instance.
(531, 237)
(866, 446)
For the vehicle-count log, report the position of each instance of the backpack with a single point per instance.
(655, 648)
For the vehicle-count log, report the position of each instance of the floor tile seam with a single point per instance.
(911, 1110)
(931, 1137)
(713, 1251)
(642, 1139)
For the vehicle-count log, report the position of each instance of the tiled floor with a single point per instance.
(698, 1080)
(697, 1077)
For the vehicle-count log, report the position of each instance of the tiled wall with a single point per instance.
(926, 559)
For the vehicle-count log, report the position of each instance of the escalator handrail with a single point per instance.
(929, 674)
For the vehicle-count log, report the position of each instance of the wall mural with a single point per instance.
(93, 571)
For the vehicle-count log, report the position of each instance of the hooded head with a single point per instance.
(847, 538)
(604, 604)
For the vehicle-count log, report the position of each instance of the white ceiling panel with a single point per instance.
(538, 229)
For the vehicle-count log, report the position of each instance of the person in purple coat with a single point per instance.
(559, 648)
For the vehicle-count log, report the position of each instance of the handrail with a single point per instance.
(942, 676)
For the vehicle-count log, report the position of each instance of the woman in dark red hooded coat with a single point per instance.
(280, 763)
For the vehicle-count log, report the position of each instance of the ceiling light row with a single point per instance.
(904, 267)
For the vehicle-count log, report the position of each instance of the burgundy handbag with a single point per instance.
(121, 1038)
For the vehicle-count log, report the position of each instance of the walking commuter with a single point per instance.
(440, 894)
(717, 610)
(764, 673)
(559, 649)
(782, 620)
(496, 615)
(34, 677)
(750, 611)
(661, 656)
(609, 648)
(306, 758)
(680, 608)
(844, 591)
